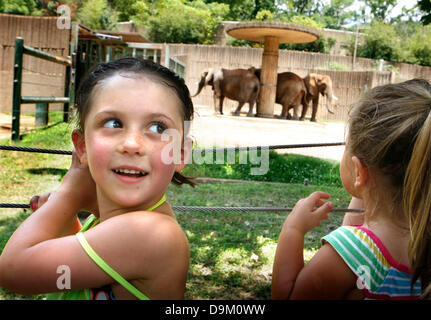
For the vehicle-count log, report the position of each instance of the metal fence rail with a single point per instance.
(41, 102)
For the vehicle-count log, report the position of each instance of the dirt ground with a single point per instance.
(26, 123)
(229, 131)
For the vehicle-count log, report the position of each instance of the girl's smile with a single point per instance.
(123, 140)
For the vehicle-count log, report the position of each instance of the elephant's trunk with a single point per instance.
(329, 98)
(201, 85)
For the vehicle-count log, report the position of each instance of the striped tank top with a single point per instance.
(379, 274)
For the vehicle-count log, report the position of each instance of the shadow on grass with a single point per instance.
(48, 171)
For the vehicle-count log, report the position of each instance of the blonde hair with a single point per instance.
(390, 130)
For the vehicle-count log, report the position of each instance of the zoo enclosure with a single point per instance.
(347, 85)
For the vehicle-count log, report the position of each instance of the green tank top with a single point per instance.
(84, 294)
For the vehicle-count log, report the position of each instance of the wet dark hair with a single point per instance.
(140, 67)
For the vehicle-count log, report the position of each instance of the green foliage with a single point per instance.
(407, 42)
(381, 42)
(137, 11)
(179, 22)
(263, 15)
(287, 168)
(420, 47)
(380, 9)
(425, 7)
(24, 7)
(97, 14)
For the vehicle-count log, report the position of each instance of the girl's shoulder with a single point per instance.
(141, 243)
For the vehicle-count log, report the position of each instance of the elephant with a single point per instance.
(239, 84)
(292, 91)
(315, 84)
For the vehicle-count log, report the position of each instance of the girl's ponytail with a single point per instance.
(417, 205)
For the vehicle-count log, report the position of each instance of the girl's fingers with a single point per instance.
(34, 203)
(323, 210)
(37, 201)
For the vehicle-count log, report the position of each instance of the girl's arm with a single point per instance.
(55, 218)
(146, 246)
(38, 201)
(289, 259)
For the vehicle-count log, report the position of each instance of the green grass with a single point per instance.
(231, 253)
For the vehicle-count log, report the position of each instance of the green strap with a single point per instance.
(101, 263)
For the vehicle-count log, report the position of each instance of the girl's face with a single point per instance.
(123, 140)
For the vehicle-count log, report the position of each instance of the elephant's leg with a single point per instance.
(215, 103)
(250, 108)
(284, 112)
(295, 112)
(238, 109)
(314, 111)
(221, 104)
(304, 110)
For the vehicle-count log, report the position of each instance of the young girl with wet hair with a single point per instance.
(385, 167)
(133, 247)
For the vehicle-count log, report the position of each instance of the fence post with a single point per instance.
(66, 94)
(17, 79)
(41, 114)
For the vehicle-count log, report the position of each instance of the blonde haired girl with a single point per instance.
(386, 164)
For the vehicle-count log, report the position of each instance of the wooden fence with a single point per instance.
(40, 78)
(348, 85)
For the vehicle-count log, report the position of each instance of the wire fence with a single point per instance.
(196, 150)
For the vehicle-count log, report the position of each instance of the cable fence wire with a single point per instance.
(196, 150)
(207, 209)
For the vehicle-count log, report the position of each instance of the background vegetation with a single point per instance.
(402, 38)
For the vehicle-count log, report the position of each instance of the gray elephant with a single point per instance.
(290, 93)
(317, 84)
(239, 84)
(294, 91)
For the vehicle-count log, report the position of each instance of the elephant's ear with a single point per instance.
(321, 84)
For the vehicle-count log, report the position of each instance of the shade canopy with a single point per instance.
(285, 32)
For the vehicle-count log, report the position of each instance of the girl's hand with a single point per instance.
(79, 186)
(37, 201)
(305, 216)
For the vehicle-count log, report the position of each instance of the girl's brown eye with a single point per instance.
(112, 123)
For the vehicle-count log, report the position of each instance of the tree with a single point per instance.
(420, 47)
(335, 15)
(97, 14)
(24, 7)
(425, 6)
(381, 42)
(193, 22)
(380, 9)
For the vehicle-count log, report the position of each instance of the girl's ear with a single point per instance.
(79, 144)
(186, 151)
(361, 173)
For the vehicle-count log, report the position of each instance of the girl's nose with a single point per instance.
(133, 143)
